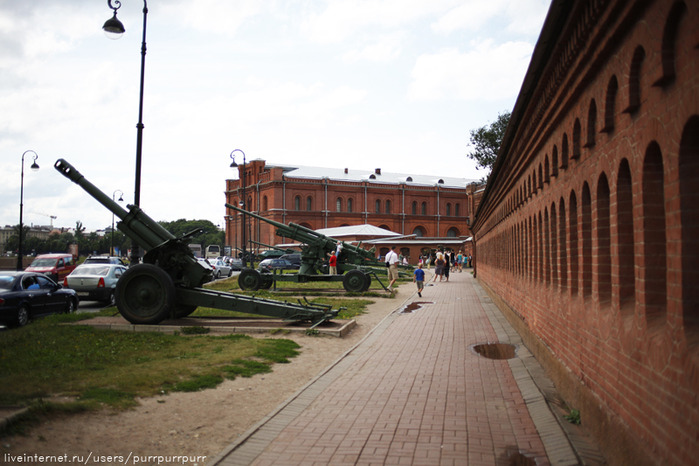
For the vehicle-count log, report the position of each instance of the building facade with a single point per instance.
(593, 209)
(317, 198)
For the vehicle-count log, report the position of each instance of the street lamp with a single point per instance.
(242, 202)
(121, 199)
(114, 29)
(34, 167)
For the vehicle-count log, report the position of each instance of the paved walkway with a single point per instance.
(414, 392)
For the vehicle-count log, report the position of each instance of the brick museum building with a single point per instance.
(426, 211)
(587, 234)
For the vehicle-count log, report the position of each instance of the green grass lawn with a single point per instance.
(96, 367)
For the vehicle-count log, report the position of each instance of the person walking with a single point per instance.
(439, 267)
(419, 279)
(447, 264)
(332, 264)
(392, 263)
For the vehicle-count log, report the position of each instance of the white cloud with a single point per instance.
(385, 48)
(487, 71)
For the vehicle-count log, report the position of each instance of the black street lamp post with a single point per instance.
(242, 201)
(34, 167)
(121, 198)
(114, 29)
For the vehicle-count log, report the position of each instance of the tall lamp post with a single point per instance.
(121, 199)
(34, 167)
(242, 202)
(114, 29)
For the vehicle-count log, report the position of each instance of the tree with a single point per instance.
(486, 141)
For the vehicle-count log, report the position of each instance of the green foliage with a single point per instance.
(486, 141)
(573, 417)
(211, 234)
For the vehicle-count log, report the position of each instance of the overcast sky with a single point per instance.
(363, 84)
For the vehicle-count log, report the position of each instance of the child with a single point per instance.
(419, 278)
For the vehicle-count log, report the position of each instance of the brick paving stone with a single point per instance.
(413, 392)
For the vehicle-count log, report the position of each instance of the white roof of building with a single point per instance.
(356, 230)
(300, 171)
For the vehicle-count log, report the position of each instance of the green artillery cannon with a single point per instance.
(355, 265)
(168, 282)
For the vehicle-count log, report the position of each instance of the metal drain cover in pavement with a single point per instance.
(494, 350)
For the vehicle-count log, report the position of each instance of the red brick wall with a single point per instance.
(594, 211)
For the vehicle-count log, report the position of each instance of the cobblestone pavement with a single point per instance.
(415, 391)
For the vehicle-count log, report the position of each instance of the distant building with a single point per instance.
(41, 231)
(587, 235)
(414, 205)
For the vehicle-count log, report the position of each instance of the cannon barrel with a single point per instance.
(306, 235)
(135, 223)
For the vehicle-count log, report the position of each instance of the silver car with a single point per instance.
(221, 269)
(95, 281)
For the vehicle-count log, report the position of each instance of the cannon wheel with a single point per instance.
(267, 282)
(367, 282)
(250, 279)
(182, 310)
(355, 281)
(145, 294)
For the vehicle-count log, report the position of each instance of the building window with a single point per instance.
(635, 80)
(457, 209)
(419, 232)
(452, 232)
(297, 203)
(349, 205)
(309, 203)
(377, 206)
(338, 205)
(265, 204)
(448, 209)
(610, 105)
(423, 208)
(388, 206)
(591, 124)
(414, 208)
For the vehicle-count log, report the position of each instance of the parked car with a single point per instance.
(104, 260)
(55, 266)
(96, 282)
(269, 265)
(235, 264)
(221, 269)
(26, 295)
(294, 259)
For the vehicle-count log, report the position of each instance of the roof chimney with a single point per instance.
(377, 171)
(346, 171)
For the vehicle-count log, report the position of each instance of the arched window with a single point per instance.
(338, 204)
(423, 208)
(604, 262)
(388, 206)
(564, 152)
(452, 232)
(457, 209)
(419, 232)
(297, 203)
(350, 205)
(576, 139)
(377, 206)
(414, 208)
(554, 161)
(309, 203)
(635, 80)
(669, 41)
(547, 172)
(610, 105)
(586, 218)
(689, 209)
(654, 265)
(448, 209)
(591, 124)
(264, 204)
(625, 240)
(573, 243)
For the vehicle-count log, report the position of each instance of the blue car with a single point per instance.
(25, 295)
